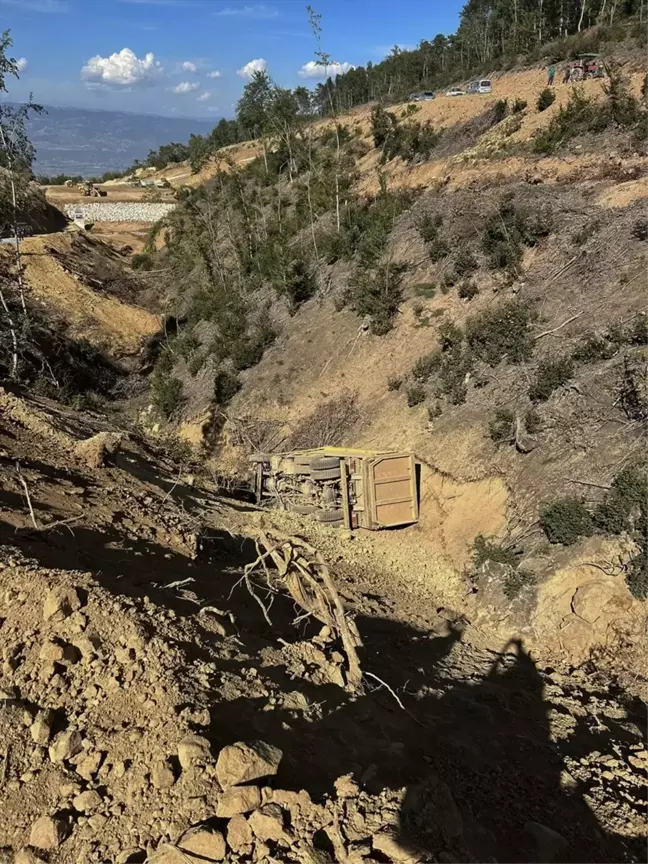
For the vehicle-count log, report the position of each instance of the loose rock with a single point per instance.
(194, 750)
(65, 746)
(238, 799)
(88, 801)
(239, 835)
(61, 602)
(48, 832)
(241, 762)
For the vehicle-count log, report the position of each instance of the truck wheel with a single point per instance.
(330, 517)
(303, 465)
(327, 474)
(320, 463)
(302, 509)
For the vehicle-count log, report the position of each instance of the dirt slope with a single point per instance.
(131, 661)
(71, 276)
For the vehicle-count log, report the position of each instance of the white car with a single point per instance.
(456, 91)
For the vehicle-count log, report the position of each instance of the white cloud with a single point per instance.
(258, 10)
(188, 66)
(204, 96)
(253, 66)
(123, 69)
(186, 87)
(22, 64)
(312, 69)
(214, 74)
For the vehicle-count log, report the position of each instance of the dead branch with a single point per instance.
(12, 330)
(23, 483)
(588, 483)
(560, 326)
(304, 575)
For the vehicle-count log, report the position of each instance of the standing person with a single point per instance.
(567, 75)
(551, 74)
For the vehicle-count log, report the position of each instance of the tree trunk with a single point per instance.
(582, 14)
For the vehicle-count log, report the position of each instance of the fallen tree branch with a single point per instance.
(23, 483)
(588, 483)
(560, 326)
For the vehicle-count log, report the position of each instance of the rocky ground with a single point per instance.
(150, 711)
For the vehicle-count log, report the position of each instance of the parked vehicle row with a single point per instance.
(483, 85)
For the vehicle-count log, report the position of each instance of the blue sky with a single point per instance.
(191, 58)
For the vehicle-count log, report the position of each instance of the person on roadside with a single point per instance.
(567, 75)
(551, 74)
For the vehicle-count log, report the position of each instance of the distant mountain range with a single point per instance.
(88, 142)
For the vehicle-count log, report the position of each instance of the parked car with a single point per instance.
(456, 91)
(482, 86)
(424, 96)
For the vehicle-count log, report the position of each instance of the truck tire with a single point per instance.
(302, 509)
(320, 463)
(327, 474)
(330, 517)
(303, 465)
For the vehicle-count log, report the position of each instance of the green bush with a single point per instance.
(465, 263)
(450, 336)
(579, 116)
(415, 395)
(425, 366)
(640, 229)
(141, 261)
(299, 284)
(394, 384)
(424, 289)
(508, 230)
(566, 520)
(550, 375)
(593, 347)
(502, 331)
(377, 294)
(499, 111)
(166, 393)
(468, 290)
(637, 332)
(438, 249)
(226, 386)
(485, 550)
(637, 574)
(546, 98)
(624, 506)
(502, 427)
(429, 225)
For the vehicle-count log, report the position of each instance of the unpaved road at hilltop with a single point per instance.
(133, 657)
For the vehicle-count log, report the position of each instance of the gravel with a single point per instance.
(123, 211)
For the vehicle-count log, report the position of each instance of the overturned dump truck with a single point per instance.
(339, 486)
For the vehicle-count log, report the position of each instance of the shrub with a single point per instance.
(450, 336)
(532, 421)
(499, 111)
(468, 290)
(425, 366)
(633, 391)
(637, 332)
(518, 106)
(546, 98)
(141, 261)
(565, 521)
(415, 395)
(166, 393)
(502, 331)
(226, 386)
(378, 294)
(465, 263)
(550, 375)
(588, 230)
(429, 225)
(501, 427)
(383, 125)
(594, 347)
(637, 574)
(625, 505)
(579, 116)
(640, 229)
(394, 384)
(484, 550)
(438, 249)
(424, 289)
(299, 284)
